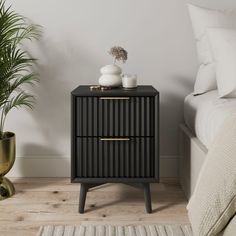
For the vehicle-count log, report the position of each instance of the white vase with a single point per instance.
(111, 76)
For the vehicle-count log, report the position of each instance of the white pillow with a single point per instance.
(223, 44)
(206, 79)
(202, 19)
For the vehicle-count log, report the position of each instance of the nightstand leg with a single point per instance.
(82, 197)
(147, 197)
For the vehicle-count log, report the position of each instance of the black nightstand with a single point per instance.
(115, 138)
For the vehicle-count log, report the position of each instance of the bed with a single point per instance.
(203, 115)
(208, 135)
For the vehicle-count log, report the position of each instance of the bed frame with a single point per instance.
(192, 155)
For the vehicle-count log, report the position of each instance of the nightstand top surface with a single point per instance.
(142, 90)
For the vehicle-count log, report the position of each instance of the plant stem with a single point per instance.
(2, 124)
(114, 62)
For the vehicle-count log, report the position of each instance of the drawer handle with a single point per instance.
(114, 139)
(114, 98)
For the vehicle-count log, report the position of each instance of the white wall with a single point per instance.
(77, 35)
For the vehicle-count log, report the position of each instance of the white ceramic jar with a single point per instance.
(111, 76)
(129, 81)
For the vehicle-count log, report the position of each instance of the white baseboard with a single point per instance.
(60, 167)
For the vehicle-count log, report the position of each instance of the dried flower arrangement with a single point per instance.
(119, 54)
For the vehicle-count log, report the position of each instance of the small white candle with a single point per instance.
(129, 81)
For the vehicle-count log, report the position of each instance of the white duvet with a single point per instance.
(204, 114)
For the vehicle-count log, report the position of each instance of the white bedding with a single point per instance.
(213, 202)
(204, 114)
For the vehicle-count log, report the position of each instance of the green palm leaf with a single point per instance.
(20, 100)
(29, 79)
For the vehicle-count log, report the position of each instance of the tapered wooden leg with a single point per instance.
(82, 197)
(147, 197)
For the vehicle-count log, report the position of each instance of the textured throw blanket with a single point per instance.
(213, 203)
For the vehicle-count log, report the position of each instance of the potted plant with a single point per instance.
(15, 73)
(111, 74)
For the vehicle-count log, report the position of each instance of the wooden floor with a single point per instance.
(55, 201)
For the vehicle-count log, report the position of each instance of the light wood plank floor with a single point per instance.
(43, 201)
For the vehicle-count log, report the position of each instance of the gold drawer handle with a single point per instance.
(114, 139)
(114, 98)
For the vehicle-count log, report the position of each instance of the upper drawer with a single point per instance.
(114, 116)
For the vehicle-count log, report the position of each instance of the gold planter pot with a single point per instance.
(7, 159)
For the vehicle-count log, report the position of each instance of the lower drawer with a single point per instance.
(108, 158)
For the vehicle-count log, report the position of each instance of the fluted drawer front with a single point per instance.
(115, 117)
(130, 158)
